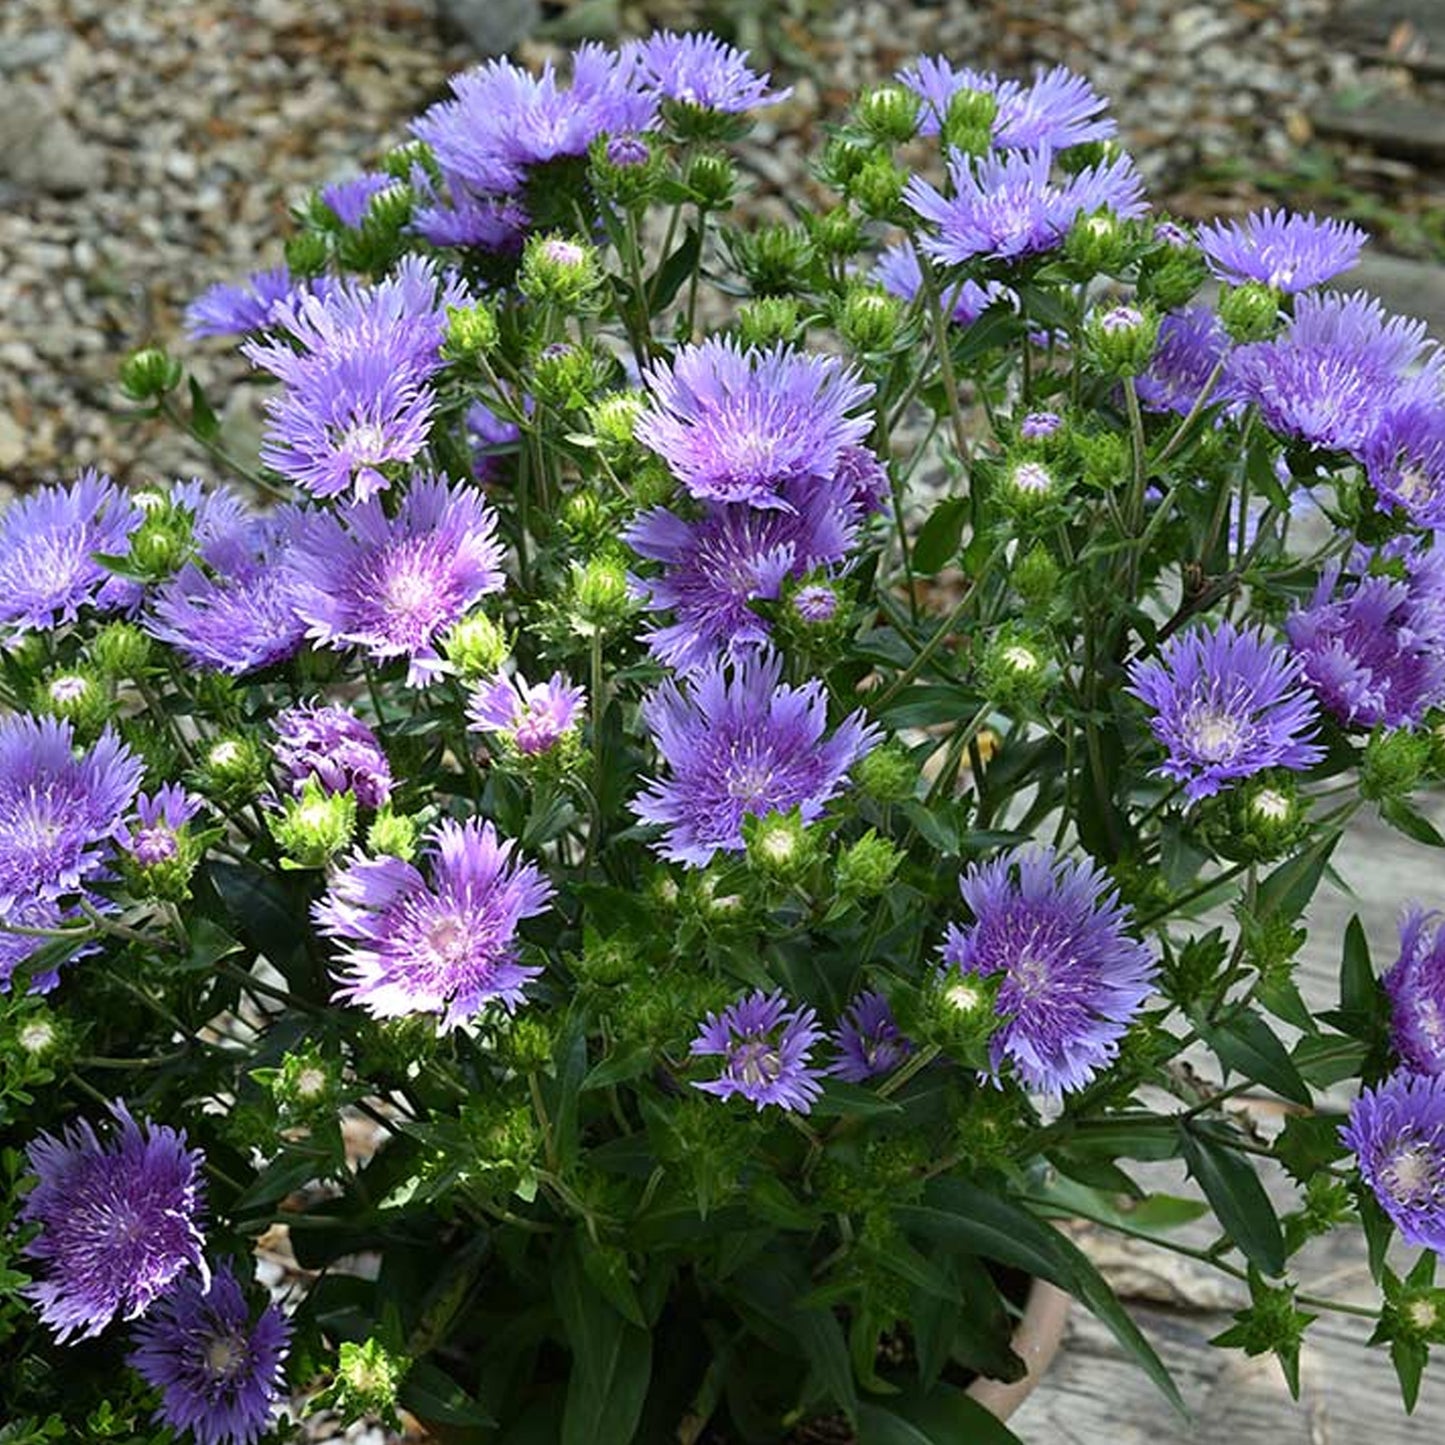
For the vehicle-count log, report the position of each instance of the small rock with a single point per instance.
(491, 27)
(39, 148)
(20, 52)
(12, 442)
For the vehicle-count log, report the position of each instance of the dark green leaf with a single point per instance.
(667, 280)
(939, 536)
(430, 1393)
(1413, 824)
(842, 1098)
(1408, 1357)
(943, 1415)
(1290, 887)
(606, 1267)
(1309, 1142)
(1246, 1044)
(1358, 990)
(203, 419)
(1238, 1199)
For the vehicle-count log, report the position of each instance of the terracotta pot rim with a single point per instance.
(1036, 1341)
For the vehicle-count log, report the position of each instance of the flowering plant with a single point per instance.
(715, 782)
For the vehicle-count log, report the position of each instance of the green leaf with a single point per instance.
(1405, 819)
(850, 1100)
(203, 418)
(1248, 1045)
(939, 536)
(1291, 886)
(944, 1415)
(1238, 1199)
(1308, 1143)
(1408, 1357)
(666, 281)
(606, 1267)
(430, 1393)
(1358, 990)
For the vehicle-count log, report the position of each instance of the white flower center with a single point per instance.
(1216, 734)
(1410, 1175)
(758, 1063)
(225, 1355)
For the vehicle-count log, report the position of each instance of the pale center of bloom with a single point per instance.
(1030, 975)
(311, 1083)
(225, 1354)
(1215, 733)
(758, 1063)
(963, 996)
(1121, 318)
(365, 443)
(1020, 659)
(1411, 1176)
(1422, 1314)
(750, 781)
(36, 1037)
(1413, 484)
(449, 941)
(1273, 807)
(564, 253)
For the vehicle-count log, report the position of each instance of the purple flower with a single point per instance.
(1373, 649)
(489, 223)
(219, 1373)
(48, 542)
(1227, 704)
(1404, 456)
(1007, 205)
(502, 121)
(741, 745)
(899, 273)
(1072, 977)
(333, 746)
(447, 946)
(862, 478)
(1397, 1133)
(702, 70)
(119, 1221)
(486, 432)
(815, 604)
(355, 399)
(392, 585)
(1281, 249)
(1191, 344)
(716, 567)
(534, 718)
(350, 200)
(1415, 986)
(1060, 109)
(1039, 424)
(17, 948)
(1338, 364)
(226, 309)
(160, 816)
(868, 1041)
(765, 1046)
(736, 425)
(238, 612)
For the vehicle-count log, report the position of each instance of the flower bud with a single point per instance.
(624, 169)
(889, 112)
(843, 157)
(119, 650)
(835, 233)
(600, 596)
(1260, 820)
(394, 834)
(711, 178)
(767, 320)
(613, 421)
(1395, 763)
(1119, 340)
(1173, 270)
(1103, 457)
(1250, 312)
(368, 1377)
(886, 774)
(779, 845)
(149, 373)
(1015, 668)
(567, 377)
(77, 696)
(233, 769)
(869, 318)
(1029, 490)
(314, 828)
(877, 188)
(815, 604)
(562, 271)
(867, 868)
(476, 646)
(306, 1087)
(774, 258)
(472, 331)
(1099, 244)
(43, 1036)
(307, 253)
(1036, 577)
(969, 119)
(959, 1013)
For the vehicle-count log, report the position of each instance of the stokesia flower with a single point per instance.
(1415, 986)
(1339, 363)
(701, 70)
(1397, 1132)
(741, 744)
(333, 746)
(154, 837)
(1227, 704)
(49, 540)
(1060, 109)
(899, 273)
(1404, 457)
(393, 585)
(218, 1371)
(1008, 205)
(1373, 649)
(350, 200)
(868, 1040)
(735, 425)
(765, 1045)
(1281, 249)
(487, 435)
(446, 946)
(716, 567)
(1191, 344)
(119, 1221)
(227, 309)
(1072, 977)
(534, 718)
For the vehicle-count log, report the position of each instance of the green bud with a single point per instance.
(767, 320)
(1271, 1325)
(959, 1014)
(867, 868)
(651, 484)
(886, 774)
(476, 646)
(843, 157)
(624, 169)
(567, 377)
(878, 187)
(77, 696)
(889, 112)
(400, 161)
(613, 420)
(393, 833)
(368, 1376)
(562, 271)
(1250, 312)
(1194, 967)
(1173, 270)
(119, 650)
(689, 122)
(774, 258)
(1099, 244)
(970, 116)
(526, 1042)
(835, 233)
(472, 331)
(1271, 945)
(1119, 341)
(149, 373)
(1036, 577)
(868, 318)
(1395, 763)
(1092, 153)
(306, 1086)
(606, 962)
(711, 178)
(779, 845)
(43, 1037)
(1029, 489)
(586, 517)
(1257, 821)
(233, 769)
(600, 598)
(1015, 669)
(308, 253)
(1102, 457)
(314, 828)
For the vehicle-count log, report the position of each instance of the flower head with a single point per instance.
(218, 1371)
(119, 1221)
(446, 946)
(48, 544)
(701, 70)
(393, 585)
(349, 200)
(765, 1045)
(739, 745)
(534, 718)
(1397, 1132)
(486, 432)
(736, 425)
(1072, 977)
(333, 746)
(899, 273)
(159, 818)
(1009, 205)
(868, 1041)
(1415, 986)
(226, 309)
(1227, 704)
(1373, 649)
(1281, 249)
(1404, 456)
(1191, 344)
